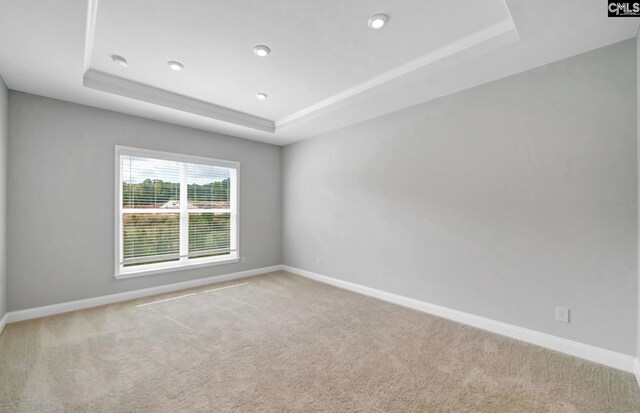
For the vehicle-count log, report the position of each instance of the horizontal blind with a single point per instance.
(209, 234)
(157, 227)
(150, 238)
(150, 183)
(208, 187)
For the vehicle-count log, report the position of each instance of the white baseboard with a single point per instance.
(3, 322)
(20, 315)
(592, 353)
(585, 351)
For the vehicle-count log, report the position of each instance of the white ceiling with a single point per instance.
(319, 48)
(327, 69)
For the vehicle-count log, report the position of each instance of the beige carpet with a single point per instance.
(281, 343)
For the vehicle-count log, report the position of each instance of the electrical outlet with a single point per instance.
(562, 314)
(319, 262)
(243, 259)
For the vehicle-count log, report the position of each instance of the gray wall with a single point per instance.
(504, 200)
(637, 41)
(61, 209)
(4, 133)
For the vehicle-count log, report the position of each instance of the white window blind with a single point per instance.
(174, 210)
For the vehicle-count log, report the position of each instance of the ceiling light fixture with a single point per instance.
(261, 96)
(377, 21)
(261, 50)
(177, 66)
(119, 60)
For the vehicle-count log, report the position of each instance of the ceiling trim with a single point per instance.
(409, 90)
(105, 82)
(437, 55)
(92, 12)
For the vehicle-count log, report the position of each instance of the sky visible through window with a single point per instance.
(137, 169)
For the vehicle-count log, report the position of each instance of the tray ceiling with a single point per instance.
(327, 68)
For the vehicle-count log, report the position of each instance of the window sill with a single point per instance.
(191, 266)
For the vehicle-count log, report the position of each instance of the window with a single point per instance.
(173, 211)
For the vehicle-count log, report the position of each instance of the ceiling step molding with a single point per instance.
(106, 82)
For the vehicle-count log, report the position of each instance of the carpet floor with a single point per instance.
(282, 343)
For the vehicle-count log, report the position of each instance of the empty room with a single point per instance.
(319, 206)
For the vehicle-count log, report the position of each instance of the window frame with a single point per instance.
(121, 272)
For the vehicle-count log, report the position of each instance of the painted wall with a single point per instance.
(637, 42)
(61, 209)
(4, 133)
(505, 200)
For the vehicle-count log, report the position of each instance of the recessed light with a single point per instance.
(377, 21)
(261, 96)
(119, 60)
(261, 50)
(177, 66)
